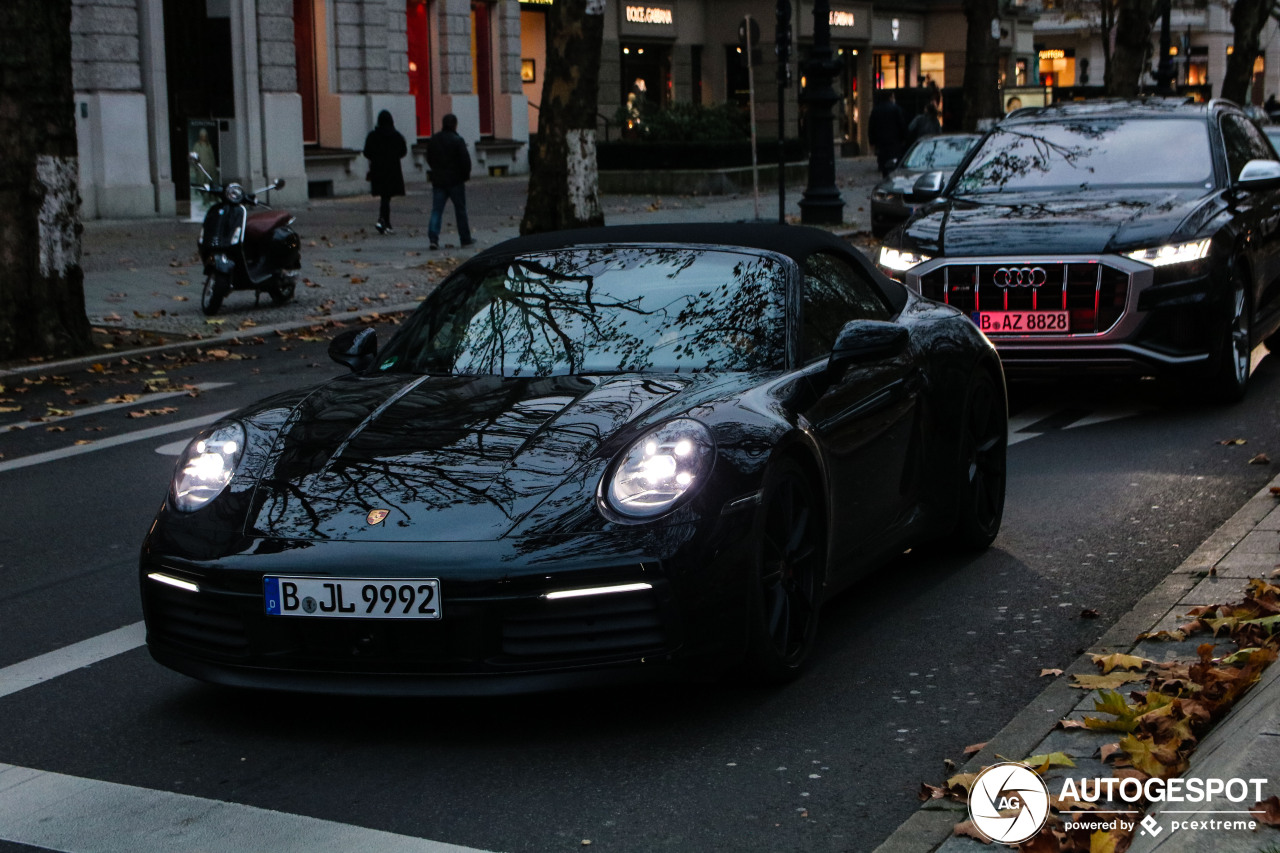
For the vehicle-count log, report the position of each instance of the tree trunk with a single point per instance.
(1133, 42)
(981, 64)
(1247, 19)
(564, 184)
(41, 283)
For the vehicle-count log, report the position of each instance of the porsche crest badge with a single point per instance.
(376, 516)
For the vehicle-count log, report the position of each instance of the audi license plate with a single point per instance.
(352, 598)
(1022, 322)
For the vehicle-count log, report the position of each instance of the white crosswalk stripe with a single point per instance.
(76, 815)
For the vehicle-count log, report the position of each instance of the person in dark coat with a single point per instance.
(925, 124)
(887, 128)
(450, 166)
(384, 147)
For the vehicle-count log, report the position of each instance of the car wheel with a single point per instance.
(283, 290)
(215, 290)
(984, 439)
(787, 580)
(1229, 379)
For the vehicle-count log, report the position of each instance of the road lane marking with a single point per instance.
(38, 670)
(190, 425)
(110, 407)
(1104, 415)
(173, 448)
(76, 815)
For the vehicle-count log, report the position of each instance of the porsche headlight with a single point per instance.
(1174, 253)
(662, 467)
(206, 466)
(899, 260)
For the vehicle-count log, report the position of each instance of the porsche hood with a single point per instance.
(448, 458)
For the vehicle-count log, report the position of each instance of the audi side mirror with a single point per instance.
(926, 188)
(1259, 175)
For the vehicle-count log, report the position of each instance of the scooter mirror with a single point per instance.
(279, 184)
(195, 158)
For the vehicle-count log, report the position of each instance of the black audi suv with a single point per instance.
(1132, 237)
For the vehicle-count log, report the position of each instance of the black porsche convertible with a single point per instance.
(589, 455)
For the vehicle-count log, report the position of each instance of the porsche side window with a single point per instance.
(834, 293)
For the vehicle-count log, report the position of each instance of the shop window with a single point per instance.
(419, 38)
(933, 68)
(646, 74)
(482, 64)
(891, 70)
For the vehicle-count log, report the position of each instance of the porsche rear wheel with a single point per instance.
(984, 440)
(789, 569)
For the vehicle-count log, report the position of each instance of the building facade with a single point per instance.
(266, 89)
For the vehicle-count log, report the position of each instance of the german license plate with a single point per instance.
(1022, 322)
(352, 598)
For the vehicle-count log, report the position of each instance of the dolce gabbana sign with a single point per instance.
(647, 19)
(847, 21)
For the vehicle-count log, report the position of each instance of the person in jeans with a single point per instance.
(450, 166)
(384, 147)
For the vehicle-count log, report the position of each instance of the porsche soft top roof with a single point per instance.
(797, 242)
(794, 241)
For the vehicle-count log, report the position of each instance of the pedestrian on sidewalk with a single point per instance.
(384, 148)
(450, 165)
(925, 124)
(887, 128)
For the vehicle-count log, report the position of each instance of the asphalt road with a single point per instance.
(1111, 486)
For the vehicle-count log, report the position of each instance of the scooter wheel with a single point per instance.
(283, 290)
(212, 295)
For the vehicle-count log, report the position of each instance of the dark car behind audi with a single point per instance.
(1133, 237)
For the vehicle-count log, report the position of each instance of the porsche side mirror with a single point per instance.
(356, 349)
(927, 187)
(861, 341)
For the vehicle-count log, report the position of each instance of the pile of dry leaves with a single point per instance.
(1159, 726)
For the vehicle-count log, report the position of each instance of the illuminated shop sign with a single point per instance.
(840, 19)
(650, 15)
(1053, 54)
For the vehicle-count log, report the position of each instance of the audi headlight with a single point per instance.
(235, 193)
(899, 260)
(1174, 253)
(206, 466)
(660, 469)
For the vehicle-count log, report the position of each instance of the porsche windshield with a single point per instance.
(1086, 153)
(601, 310)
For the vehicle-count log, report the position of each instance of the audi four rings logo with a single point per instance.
(1019, 276)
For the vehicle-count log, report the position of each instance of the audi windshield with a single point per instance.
(1087, 153)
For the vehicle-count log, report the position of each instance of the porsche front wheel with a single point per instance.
(787, 580)
(984, 439)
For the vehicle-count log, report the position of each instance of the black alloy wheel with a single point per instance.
(216, 288)
(984, 440)
(790, 565)
(1229, 382)
(283, 288)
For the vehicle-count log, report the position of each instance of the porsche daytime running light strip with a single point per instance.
(174, 582)
(597, 590)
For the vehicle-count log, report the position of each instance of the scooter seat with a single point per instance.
(262, 223)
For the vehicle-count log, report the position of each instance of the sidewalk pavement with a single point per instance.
(144, 275)
(1245, 744)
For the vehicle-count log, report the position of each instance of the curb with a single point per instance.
(188, 343)
(930, 826)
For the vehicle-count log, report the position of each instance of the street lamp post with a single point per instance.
(821, 204)
(1164, 68)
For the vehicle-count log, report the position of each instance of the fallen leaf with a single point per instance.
(149, 413)
(1232, 441)
(1050, 672)
(1275, 491)
(1267, 811)
(1068, 725)
(1042, 764)
(968, 830)
(1260, 459)
(1106, 663)
(7, 409)
(1105, 682)
(55, 429)
(1088, 613)
(1163, 636)
(1108, 751)
(82, 441)
(1102, 841)
(974, 748)
(929, 792)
